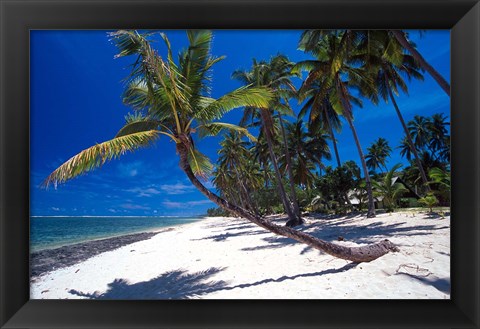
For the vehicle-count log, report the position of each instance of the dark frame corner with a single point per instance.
(17, 17)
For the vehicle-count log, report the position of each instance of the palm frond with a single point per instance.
(214, 128)
(200, 163)
(137, 94)
(128, 42)
(307, 65)
(98, 155)
(136, 124)
(256, 97)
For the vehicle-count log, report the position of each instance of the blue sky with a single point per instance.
(76, 88)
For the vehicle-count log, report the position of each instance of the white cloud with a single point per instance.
(144, 192)
(132, 206)
(186, 204)
(178, 188)
(55, 209)
(130, 169)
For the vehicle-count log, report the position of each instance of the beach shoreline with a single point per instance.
(49, 259)
(230, 258)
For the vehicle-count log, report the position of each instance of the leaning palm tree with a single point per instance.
(336, 75)
(171, 99)
(388, 63)
(402, 38)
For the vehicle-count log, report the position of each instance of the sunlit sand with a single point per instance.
(230, 258)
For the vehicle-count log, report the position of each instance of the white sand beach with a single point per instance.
(230, 258)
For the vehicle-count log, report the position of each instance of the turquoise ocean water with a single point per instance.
(51, 232)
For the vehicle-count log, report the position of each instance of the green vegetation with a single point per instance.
(389, 189)
(429, 201)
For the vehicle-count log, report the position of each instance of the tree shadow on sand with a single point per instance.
(442, 285)
(178, 284)
(182, 285)
(434, 215)
(292, 277)
(224, 236)
(333, 231)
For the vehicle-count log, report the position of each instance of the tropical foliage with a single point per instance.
(429, 201)
(389, 189)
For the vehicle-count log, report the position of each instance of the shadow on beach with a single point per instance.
(178, 284)
(440, 284)
(330, 228)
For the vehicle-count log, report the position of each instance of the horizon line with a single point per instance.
(106, 216)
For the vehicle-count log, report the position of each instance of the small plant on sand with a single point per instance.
(429, 201)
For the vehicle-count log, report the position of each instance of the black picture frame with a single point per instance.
(17, 17)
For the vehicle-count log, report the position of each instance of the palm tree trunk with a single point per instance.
(409, 139)
(385, 167)
(355, 254)
(337, 156)
(368, 183)
(281, 189)
(248, 199)
(348, 115)
(296, 208)
(400, 36)
(332, 136)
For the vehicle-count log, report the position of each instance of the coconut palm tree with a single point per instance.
(171, 100)
(274, 74)
(402, 38)
(321, 115)
(233, 158)
(336, 75)
(406, 149)
(224, 182)
(439, 138)
(419, 129)
(388, 63)
(378, 153)
(307, 151)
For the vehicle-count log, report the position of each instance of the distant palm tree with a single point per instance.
(406, 149)
(402, 38)
(224, 182)
(419, 129)
(307, 151)
(439, 138)
(233, 158)
(336, 74)
(171, 101)
(377, 154)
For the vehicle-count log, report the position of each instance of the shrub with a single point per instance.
(408, 202)
(429, 201)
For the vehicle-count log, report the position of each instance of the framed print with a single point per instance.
(150, 240)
